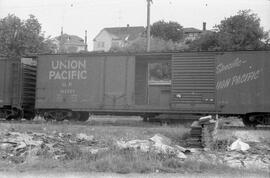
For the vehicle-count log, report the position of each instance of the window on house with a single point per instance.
(159, 73)
(100, 44)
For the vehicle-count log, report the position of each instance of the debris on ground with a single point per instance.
(157, 144)
(17, 147)
(202, 132)
(143, 145)
(256, 157)
(242, 149)
(238, 145)
(81, 137)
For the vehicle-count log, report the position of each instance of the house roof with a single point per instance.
(191, 30)
(125, 33)
(71, 39)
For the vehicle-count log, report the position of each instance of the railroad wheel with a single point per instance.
(263, 119)
(83, 116)
(14, 114)
(249, 121)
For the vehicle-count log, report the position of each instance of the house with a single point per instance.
(116, 37)
(191, 33)
(69, 43)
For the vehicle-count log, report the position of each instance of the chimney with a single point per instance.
(85, 40)
(204, 26)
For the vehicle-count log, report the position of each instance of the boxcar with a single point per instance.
(147, 84)
(17, 88)
(71, 85)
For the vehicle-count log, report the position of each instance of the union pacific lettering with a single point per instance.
(226, 67)
(239, 79)
(68, 70)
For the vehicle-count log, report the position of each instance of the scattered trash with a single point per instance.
(160, 139)
(26, 147)
(84, 137)
(182, 149)
(19, 147)
(143, 145)
(205, 119)
(158, 144)
(238, 145)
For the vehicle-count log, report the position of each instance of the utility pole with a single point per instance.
(85, 40)
(61, 44)
(148, 24)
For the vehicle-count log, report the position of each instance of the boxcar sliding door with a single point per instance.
(193, 82)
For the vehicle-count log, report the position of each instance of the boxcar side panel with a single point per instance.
(118, 82)
(84, 82)
(243, 82)
(141, 82)
(65, 81)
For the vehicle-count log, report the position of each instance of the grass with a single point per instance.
(113, 159)
(124, 162)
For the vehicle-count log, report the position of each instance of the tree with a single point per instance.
(21, 37)
(238, 32)
(208, 41)
(167, 30)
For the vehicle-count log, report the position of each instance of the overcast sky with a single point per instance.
(76, 16)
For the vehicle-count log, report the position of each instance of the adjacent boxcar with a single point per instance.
(243, 85)
(6, 101)
(17, 88)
